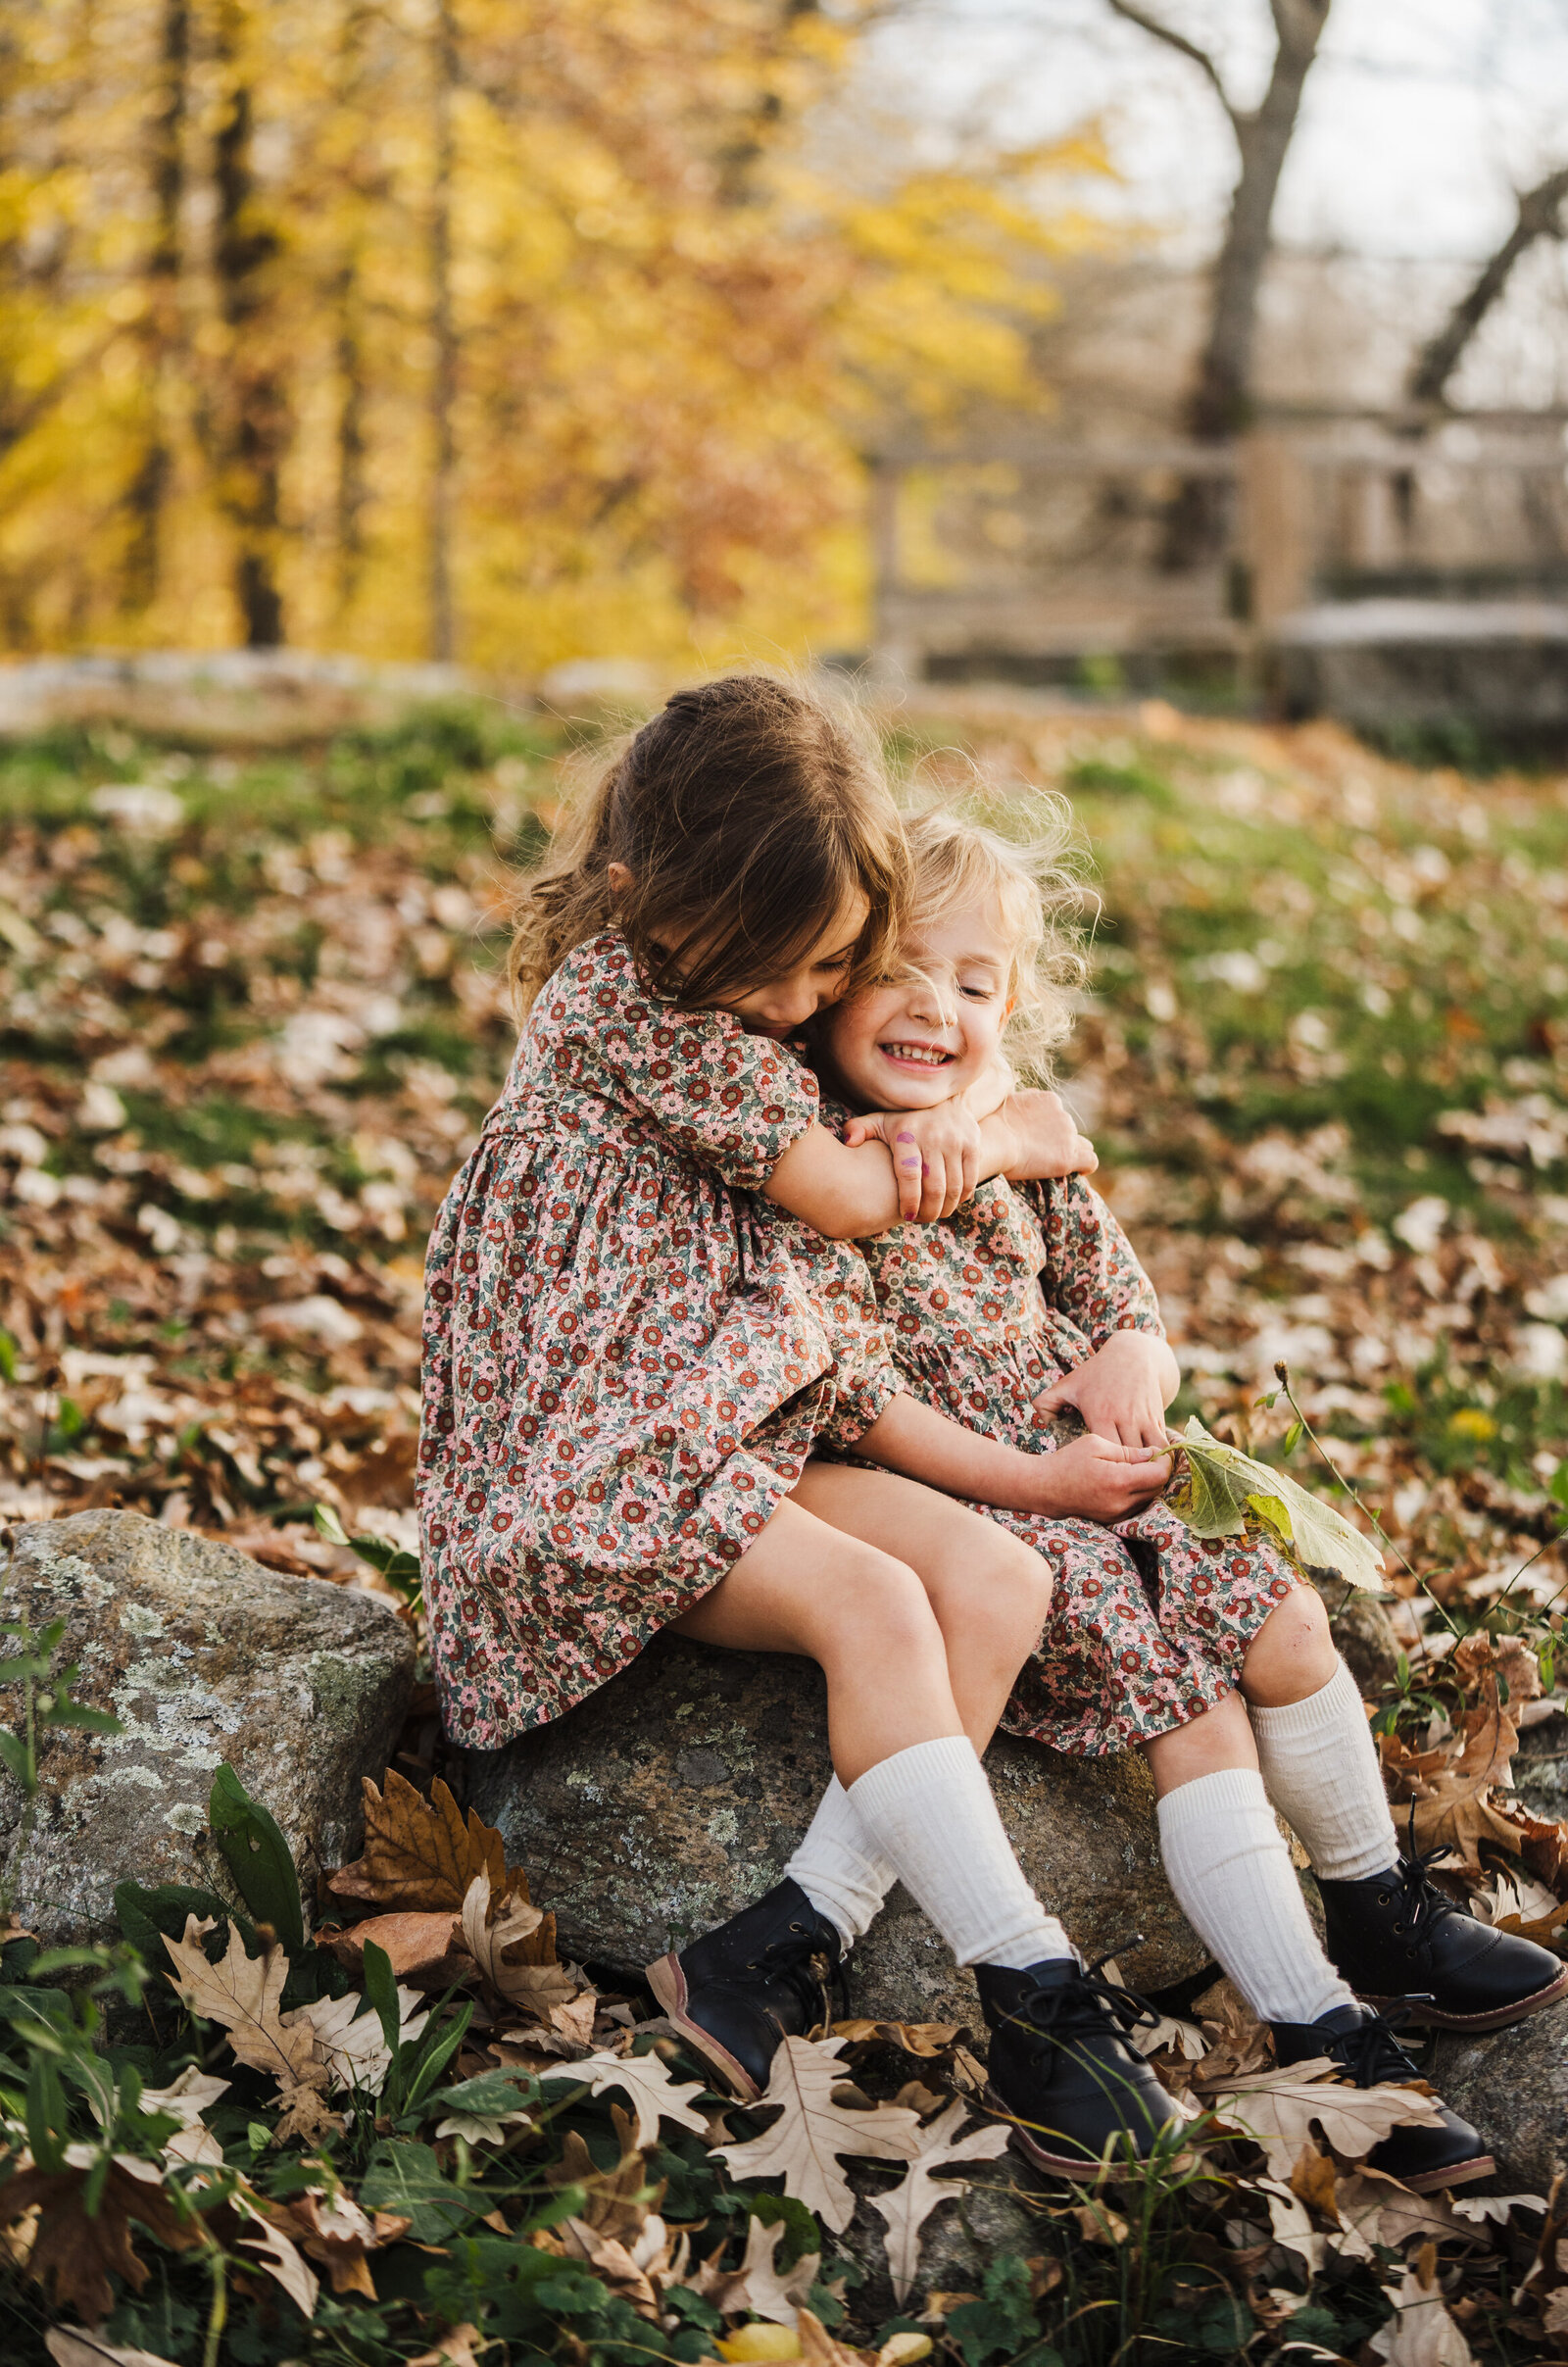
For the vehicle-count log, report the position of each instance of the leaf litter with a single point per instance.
(223, 1150)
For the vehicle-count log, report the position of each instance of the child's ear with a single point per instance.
(620, 880)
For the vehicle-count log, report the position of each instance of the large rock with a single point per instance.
(1514, 2087)
(204, 1657)
(674, 1794)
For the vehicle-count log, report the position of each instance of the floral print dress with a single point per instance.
(1148, 1624)
(627, 1355)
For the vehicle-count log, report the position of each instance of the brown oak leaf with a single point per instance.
(414, 1944)
(73, 2252)
(421, 1854)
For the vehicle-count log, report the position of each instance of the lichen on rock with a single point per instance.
(204, 1657)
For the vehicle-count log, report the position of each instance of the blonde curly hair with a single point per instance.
(1035, 880)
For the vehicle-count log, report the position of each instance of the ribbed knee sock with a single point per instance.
(1320, 1764)
(931, 1814)
(839, 1866)
(1234, 1881)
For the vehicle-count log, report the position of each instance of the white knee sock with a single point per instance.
(1232, 1874)
(931, 1812)
(839, 1866)
(1320, 1764)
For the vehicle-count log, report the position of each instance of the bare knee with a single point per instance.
(991, 1582)
(881, 1607)
(1292, 1653)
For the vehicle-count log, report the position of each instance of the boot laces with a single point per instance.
(1372, 2053)
(803, 1961)
(1422, 1904)
(1086, 2003)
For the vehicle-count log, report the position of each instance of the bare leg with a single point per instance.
(862, 1615)
(991, 1593)
(919, 1611)
(1221, 1737)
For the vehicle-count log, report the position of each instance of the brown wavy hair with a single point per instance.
(748, 813)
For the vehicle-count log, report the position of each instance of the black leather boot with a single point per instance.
(1363, 2043)
(1395, 1935)
(1060, 2069)
(759, 1978)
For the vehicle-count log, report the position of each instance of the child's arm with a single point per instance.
(1095, 1279)
(920, 1167)
(1091, 1478)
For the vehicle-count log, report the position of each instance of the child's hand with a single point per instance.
(1095, 1479)
(1049, 1141)
(1121, 1391)
(936, 1155)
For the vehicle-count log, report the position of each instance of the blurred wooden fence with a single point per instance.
(1028, 560)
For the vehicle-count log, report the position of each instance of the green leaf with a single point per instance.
(382, 1988)
(149, 1916)
(8, 1357)
(437, 2046)
(1001, 2319)
(801, 2234)
(66, 1712)
(495, 2091)
(17, 1757)
(408, 2177)
(1220, 1487)
(328, 1525)
(48, 2123)
(1294, 1437)
(257, 1857)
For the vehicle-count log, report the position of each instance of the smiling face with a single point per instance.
(924, 1037)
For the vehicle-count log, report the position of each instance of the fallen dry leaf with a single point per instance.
(923, 2039)
(414, 1944)
(905, 2210)
(461, 2347)
(241, 1993)
(1280, 2109)
(499, 1932)
(72, 2346)
(185, 2101)
(349, 2040)
(804, 2145)
(277, 2255)
(421, 1854)
(1422, 2334)
(655, 2092)
(74, 2250)
(756, 2284)
(335, 2230)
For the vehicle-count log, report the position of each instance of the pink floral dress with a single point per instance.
(1149, 1625)
(627, 1355)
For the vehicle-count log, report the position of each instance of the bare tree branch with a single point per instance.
(1540, 215)
(1179, 43)
(1219, 396)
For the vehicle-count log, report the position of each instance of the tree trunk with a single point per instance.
(442, 337)
(1540, 212)
(252, 413)
(148, 492)
(1219, 399)
(349, 306)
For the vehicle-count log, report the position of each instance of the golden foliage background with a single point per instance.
(509, 330)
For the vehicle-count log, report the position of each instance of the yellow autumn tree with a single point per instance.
(499, 329)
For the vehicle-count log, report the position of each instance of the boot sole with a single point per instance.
(1432, 2017)
(1060, 2165)
(668, 1984)
(1461, 2174)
